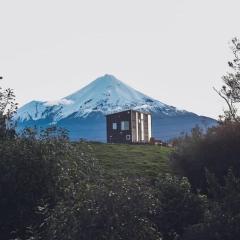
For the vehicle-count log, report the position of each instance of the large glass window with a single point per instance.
(114, 126)
(124, 125)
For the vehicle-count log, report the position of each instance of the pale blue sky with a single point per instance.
(172, 50)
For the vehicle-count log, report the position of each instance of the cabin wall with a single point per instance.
(139, 128)
(118, 135)
(141, 131)
(145, 127)
(149, 127)
(134, 119)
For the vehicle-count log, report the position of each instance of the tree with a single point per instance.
(8, 107)
(217, 150)
(176, 206)
(230, 91)
(103, 210)
(222, 217)
(37, 171)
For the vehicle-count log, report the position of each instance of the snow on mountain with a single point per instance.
(106, 95)
(82, 113)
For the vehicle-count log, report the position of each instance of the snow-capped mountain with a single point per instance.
(87, 107)
(106, 94)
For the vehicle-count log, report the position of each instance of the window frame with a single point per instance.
(114, 126)
(123, 126)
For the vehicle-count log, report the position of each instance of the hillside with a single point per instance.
(132, 160)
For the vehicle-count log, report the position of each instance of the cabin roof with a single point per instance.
(128, 111)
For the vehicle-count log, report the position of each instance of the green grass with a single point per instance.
(132, 160)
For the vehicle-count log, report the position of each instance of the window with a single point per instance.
(128, 137)
(114, 126)
(124, 125)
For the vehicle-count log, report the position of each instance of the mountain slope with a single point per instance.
(82, 112)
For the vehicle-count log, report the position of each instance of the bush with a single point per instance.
(177, 207)
(117, 211)
(53, 189)
(222, 217)
(127, 209)
(217, 150)
(34, 173)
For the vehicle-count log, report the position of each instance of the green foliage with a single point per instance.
(206, 159)
(127, 209)
(230, 91)
(37, 172)
(177, 207)
(118, 211)
(222, 217)
(55, 189)
(217, 150)
(8, 107)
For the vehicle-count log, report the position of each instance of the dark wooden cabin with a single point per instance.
(129, 127)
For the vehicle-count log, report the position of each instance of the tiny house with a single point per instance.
(129, 127)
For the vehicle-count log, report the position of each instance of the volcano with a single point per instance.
(83, 112)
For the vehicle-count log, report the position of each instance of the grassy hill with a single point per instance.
(132, 160)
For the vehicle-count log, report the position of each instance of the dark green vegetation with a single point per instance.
(132, 160)
(217, 151)
(35, 173)
(54, 189)
(51, 188)
(211, 162)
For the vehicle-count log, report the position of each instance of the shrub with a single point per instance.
(217, 150)
(127, 209)
(222, 217)
(177, 207)
(118, 211)
(34, 173)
